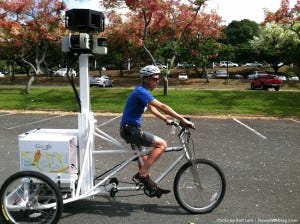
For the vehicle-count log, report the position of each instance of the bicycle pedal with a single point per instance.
(137, 182)
(113, 192)
(151, 192)
(155, 192)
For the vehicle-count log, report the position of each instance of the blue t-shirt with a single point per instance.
(136, 105)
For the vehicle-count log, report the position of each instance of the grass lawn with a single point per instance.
(184, 101)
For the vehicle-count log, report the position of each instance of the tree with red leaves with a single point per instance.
(31, 24)
(157, 22)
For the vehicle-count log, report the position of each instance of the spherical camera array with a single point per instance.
(85, 24)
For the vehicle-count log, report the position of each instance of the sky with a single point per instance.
(228, 9)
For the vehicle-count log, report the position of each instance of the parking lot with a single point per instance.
(260, 158)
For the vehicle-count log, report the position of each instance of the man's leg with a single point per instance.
(159, 147)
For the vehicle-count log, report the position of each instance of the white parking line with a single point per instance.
(295, 120)
(251, 129)
(2, 115)
(34, 122)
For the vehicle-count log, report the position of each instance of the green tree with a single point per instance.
(276, 44)
(289, 19)
(236, 41)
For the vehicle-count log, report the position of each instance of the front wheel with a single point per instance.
(30, 197)
(199, 186)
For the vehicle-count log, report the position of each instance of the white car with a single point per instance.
(255, 74)
(293, 78)
(102, 80)
(182, 76)
(281, 77)
(253, 64)
(221, 74)
(229, 63)
(63, 71)
(1, 75)
(162, 66)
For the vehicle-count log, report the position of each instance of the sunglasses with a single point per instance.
(155, 79)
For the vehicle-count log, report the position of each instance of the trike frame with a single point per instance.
(82, 184)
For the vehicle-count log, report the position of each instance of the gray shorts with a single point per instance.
(134, 135)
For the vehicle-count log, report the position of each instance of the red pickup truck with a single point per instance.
(266, 81)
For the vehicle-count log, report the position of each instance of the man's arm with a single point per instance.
(154, 105)
(156, 112)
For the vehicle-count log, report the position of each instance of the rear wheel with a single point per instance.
(30, 197)
(199, 186)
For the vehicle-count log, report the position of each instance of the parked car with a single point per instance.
(184, 65)
(237, 76)
(5, 72)
(1, 75)
(103, 80)
(209, 75)
(222, 73)
(162, 66)
(255, 74)
(182, 76)
(253, 64)
(266, 81)
(282, 77)
(63, 71)
(293, 78)
(229, 63)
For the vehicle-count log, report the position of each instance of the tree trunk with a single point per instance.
(166, 85)
(121, 72)
(29, 83)
(12, 71)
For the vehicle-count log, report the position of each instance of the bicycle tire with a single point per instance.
(204, 198)
(30, 196)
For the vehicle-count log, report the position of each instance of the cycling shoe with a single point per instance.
(151, 188)
(145, 180)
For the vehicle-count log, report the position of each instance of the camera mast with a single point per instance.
(85, 24)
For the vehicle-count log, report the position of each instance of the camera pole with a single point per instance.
(86, 122)
(79, 20)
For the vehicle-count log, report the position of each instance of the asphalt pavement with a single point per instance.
(259, 157)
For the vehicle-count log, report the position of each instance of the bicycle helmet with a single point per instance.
(149, 70)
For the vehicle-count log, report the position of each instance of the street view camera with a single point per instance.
(85, 23)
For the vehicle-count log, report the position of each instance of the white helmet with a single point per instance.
(149, 70)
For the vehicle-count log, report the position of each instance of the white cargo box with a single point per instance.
(53, 152)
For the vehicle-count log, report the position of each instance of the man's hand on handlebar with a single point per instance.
(169, 122)
(185, 122)
(188, 123)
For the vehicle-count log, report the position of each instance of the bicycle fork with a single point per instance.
(193, 167)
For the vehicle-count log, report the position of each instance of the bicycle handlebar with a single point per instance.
(174, 123)
(179, 124)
